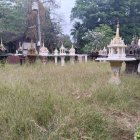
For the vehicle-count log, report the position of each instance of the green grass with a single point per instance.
(76, 102)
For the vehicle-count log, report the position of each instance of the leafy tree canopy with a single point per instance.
(92, 13)
(16, 16)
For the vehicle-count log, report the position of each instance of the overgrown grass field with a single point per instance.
(75, 102)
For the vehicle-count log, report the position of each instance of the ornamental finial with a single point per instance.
(118, 31)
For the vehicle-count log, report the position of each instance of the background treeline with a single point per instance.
(95, 19)
(94, 22)
(16, 16)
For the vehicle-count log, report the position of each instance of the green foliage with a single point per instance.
(87, 125)
(94, 124)
(67, 41)
(51, 31)
(45, 114)
(92, 13)
(137, 134)
(98, 38)
(78, 32)
(12, 17)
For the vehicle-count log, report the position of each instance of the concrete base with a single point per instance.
(116, 69)
(31, 58)
(72, 59)
(62, 61)
(55, 60)
(80, 59)
(86, 58)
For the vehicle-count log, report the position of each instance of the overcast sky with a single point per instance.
(65, 10)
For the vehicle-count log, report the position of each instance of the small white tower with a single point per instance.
(2, 48)
(62, 50)
(55, 55)
(43, 51)
(20, 49)
(72, 51)
(104, 51)
(100, 52)
(55, 52)
(72, 54)
(117, 46)
(62, 55)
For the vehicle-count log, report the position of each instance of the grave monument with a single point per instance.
(43, 53)
(133, 50)
(62, 54)
(72, 55)
(20, 54)
(3, 53)
(116, 56)
(55, 55)
(32, 53)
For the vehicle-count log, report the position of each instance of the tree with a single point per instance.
(92, 13)
(98, 38)
(17, 16)
(67, 41)
(78, 32)
(12, 18)
(51, 32)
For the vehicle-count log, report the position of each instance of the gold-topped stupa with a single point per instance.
(116, 57)
(117, 46)
(56, 52)
(32, 50)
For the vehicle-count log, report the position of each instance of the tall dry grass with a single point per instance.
(74, 102)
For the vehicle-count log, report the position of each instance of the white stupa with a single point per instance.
(116, 57)
(55, 52)
(117, 46)
(100, 52)
(72, 51)
(62, 50)
(104, 51)
(43, 51)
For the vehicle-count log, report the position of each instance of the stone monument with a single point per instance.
(116, 56)
(133, 50)
(62, 54)
(43, 53)
(32, 53)
(104, 52)
(3, 53)
(72, 55)
(55, 55)
(20, 54)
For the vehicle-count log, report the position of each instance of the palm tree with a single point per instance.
(75, 32)
(78, 32)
